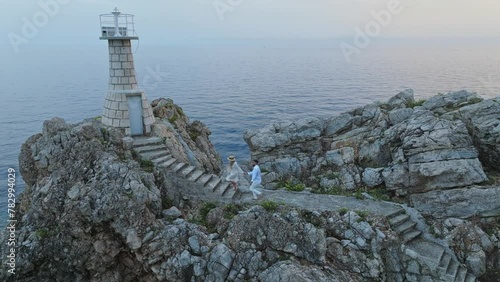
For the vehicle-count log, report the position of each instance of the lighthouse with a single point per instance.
(126, 106)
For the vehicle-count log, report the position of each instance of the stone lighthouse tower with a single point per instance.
(126, 106)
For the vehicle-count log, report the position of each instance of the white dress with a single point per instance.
(234, 172)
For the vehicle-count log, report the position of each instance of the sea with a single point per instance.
(233, 85)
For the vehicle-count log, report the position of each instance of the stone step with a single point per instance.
(162, 159)
(149, 148)
(461, 274)
(167, 163)
(195, 175)
(205, 179)
(222, 187)
(178, 167)
(407, 237)
(230, 192)
(470, 278)
(187, 171)
(452, 269)
(145, 141)
(395, 221)
(154, 155)
(396, 213)
(444, 263)
(405, 227)
(212, 185)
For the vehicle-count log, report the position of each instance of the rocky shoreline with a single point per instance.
(95, 208)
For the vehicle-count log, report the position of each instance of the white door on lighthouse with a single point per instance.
(135, 115)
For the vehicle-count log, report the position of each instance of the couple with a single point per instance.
(234, 170)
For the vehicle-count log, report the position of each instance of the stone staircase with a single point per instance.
(153, 149)
(435, 256)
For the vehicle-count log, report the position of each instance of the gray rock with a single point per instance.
(133, 240)
(459, 203)
(172, 213)
(401, 99)
(450, 100)
(294, 272)
(483, 122)
(219, 263)
(194, 245)
(399, 115)
(53, 126)
(372, 177)
(338, 124)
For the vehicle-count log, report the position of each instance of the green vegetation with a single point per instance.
(343, 211)
(203, 214)
(135, 155)
(98, 118)
(332, 176)
(50, 231)
(358, 194)
(231, 210)
(42, 233)
(146, 165)
(379, 194)
(167, 203)
(269, 205)
(475, 100)
(416, 103)
(292, 186)
(193, 134)
(173, 118)
(315, 220)
(362, 215)
(332, 190)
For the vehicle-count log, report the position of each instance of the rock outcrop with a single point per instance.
(407, 148)
(188, 141)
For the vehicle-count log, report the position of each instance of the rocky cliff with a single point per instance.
(439, 155)
(94, 210)
(90, 212)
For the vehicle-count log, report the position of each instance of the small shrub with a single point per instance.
(362, 215)
(416, 103)
(147, 165)
(231, 210)
(332, 190)
(379, 194)
(173, 119)
(332, 176)
(358, 194)
(167, 203)
(343, 211)
(135, 155)
(269, 206)
(193, 134)
(203, 213)
(294, 187)
(317, 221)
(475, 100)
(42, 233)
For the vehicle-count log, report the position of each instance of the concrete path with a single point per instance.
(319, 202)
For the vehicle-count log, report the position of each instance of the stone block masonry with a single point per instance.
(122, 84)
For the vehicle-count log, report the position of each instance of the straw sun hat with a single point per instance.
(231, 158)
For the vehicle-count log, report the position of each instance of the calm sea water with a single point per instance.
(233, 86)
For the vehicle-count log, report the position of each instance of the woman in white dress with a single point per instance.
(234, 171)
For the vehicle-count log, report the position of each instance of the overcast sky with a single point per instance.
(166, 21)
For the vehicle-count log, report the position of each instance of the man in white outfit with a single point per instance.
(256, 179)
